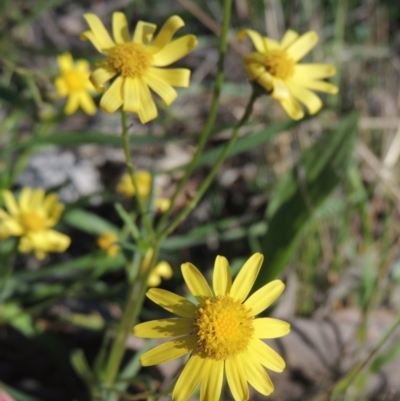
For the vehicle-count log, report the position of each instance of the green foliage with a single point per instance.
(299, 194)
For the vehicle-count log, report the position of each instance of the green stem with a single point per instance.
(7, 272)
(133, 306)
(213, 110)
(206, 183)
(132, 173)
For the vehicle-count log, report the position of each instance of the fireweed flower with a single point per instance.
(144, 182)
(161, 270)
(275, 67)
(136, 63)
(31, 219)
(221, 332)
(108, 242)
(74, 82)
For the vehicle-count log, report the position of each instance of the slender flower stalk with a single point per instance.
(219, 79)
(133, 306)
(207, 181)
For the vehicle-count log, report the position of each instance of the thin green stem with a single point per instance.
(132, 173)
(133, 306)
(213, 110)
(7, 272)
(207, 181)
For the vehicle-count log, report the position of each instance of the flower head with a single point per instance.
(108, 242)
(221, 332)
(161, 270)
(274, 66)
(137, 63)
(144, 182)
(74, 82)
(31, 219)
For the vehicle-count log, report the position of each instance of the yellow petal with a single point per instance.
(100, 33)
(168, 351)
(131, 95)
(222, 279)
(164, 269)
(10, 202)
(166, 33)
(89, 35)
(189, 379)
(246, 277)
(61, 86)
(267, 81)
(37, 198)
(305, 96)
(9, 226)
(55, 214)
(293, 108)
(166, 92)
(72, 104)
(321, 86)
(65, 62)
(271, 44)
(298, 49)
(264, 354)
(313, 71)
(236, 379)
(257, 376)
(196, 282)
(254, 66)
(173, 76)
(87, 104)
(112, 98)
(164, 328)
(120, 27)
(174, 51)
(255, 37)
(25, 199)
(264, 297)
(270, 328)
(100, 76)
(289, 37)
(148, 109)
(211, 384)
(172, 302)
(83, 66)
(143, 32)
(45, 241)
(280, 90)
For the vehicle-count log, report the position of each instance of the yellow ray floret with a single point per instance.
(73, 82)
(135, 64)
(108, 241)
(221, 332)
(144, 182)
(31, 219)
(274, 65)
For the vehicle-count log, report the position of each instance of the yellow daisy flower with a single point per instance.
(74, 82)
(107, 242)
(221, 332)
(162, 270)
(274, 66)
(31, 219)
(136, 63)
(144, 182)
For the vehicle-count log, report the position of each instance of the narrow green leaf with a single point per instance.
(88, 222)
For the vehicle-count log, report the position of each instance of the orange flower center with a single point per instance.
(76, 80)
(223, 326)
(130, 59)
(278, 64)
(33, 221)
